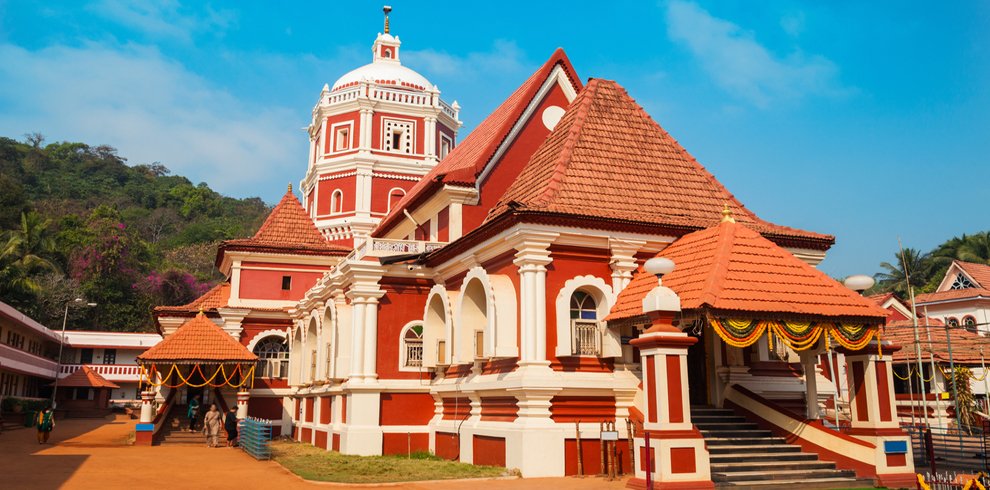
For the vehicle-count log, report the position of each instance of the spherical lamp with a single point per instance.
(659, 266)
(859, 282)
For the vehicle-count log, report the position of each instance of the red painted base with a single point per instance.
(639, 483)
(898, 480)
(143, 438)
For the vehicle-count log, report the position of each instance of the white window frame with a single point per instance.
(336, 203)
(334, 132)
(408, 138)
(403, 346)
(389, 206)
(601, 292)
(450, 146)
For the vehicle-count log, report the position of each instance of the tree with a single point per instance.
(913, 263)
(24, 254)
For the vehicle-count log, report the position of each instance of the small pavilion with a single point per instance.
(199, 360)
(731, 281)
(84, 393)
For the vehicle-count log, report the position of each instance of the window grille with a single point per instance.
(413, 342)
(398, 136)
(962, 282)
(273, 357)
(586, 337)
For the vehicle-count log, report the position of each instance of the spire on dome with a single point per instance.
(727, 214)
(386, 9)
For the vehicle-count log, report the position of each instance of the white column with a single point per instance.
(808, 362)
(147, 414)
(364, 137)
(540, 300)
(370, 371)
(532, 258)
(357, 338)
(242, 404)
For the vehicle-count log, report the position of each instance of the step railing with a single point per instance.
(942, 448)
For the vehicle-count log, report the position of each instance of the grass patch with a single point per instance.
(317, 464)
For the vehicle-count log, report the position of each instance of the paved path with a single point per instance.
(91, 454)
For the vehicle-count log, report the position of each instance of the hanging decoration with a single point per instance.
(154, 378)
(796, 335)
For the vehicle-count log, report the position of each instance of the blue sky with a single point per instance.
(866, 120)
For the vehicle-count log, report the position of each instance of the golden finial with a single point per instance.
(727, 214)
(386, 9)
(200, 310)
(290, 187)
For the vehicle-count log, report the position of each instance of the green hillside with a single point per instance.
(77, 221)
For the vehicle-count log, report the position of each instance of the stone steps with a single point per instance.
(743, 456)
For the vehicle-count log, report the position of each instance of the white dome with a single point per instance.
(390, 71)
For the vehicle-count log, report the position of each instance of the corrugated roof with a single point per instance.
(607, 158)
(732, 268)
(469, 158)
(199, 339)
(86, 377)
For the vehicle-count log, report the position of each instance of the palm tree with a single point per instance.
(975, 248)
(23, 255)
(913, 263)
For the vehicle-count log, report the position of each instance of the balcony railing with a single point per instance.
(375, 92)
(382, 247)
(112, 372)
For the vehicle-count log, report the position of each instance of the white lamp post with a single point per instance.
(61, 343)
(859, 282)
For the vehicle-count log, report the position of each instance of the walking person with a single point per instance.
(192, 411)
(45, 423)
(211, 426)
(230, 425)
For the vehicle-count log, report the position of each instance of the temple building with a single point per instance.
(496, 299)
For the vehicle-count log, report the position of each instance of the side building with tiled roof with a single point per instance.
(962, 298)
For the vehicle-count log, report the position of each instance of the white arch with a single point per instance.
(402, 345)
(602, 293)
(437, 325)
(328, 343)
(310, 343)
(402, 193)
(337, 201)
(295, 353)
(487, 302)
(267, 333)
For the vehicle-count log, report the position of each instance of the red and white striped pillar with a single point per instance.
(676, 456)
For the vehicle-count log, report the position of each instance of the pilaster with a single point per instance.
(532, 258)
(232, 319)
(623, 262)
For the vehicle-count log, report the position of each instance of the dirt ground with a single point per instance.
(88, 454)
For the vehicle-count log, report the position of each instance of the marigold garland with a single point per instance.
(794, 334)
(149, 376)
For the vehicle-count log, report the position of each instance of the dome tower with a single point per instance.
(375, 132)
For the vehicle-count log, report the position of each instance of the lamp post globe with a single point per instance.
(859, 282)
(659, 266)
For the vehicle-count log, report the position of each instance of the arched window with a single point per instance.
(952, 322)
(388, 53)
(273, 357)
(970, 323)
(586, 339)
(412, 345)
(337, 202)
(394, 196)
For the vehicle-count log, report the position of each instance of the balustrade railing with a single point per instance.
(387, 94)
(105, 370)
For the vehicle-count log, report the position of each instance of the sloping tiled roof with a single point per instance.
(287, 229)
(468, 159)
(732, 269)
(979, 272)
(608, 159)
(952, 294)
(965, 344)
(215, 298)
(85, 377)
(198, 339)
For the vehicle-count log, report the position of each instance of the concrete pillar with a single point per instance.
(147, 411)
(357, 339)
(370, 370)
(874, 415)
(676, 456)
(809, 361)
(242, 404)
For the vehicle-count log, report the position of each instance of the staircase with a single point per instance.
(176, 430)
(743, 456)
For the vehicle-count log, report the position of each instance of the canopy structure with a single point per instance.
(198, 354)
(86, 377)
(743, 285)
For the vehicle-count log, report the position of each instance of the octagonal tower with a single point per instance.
(375, 132)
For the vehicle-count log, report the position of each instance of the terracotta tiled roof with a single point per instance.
(287, 229)
(608, 159)
(215, 298)
(85, 377)
(978, 272)
(198, 339)
(965, 344)
(880, 299)
(952, 294)
(732, 269)
(469, 158)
